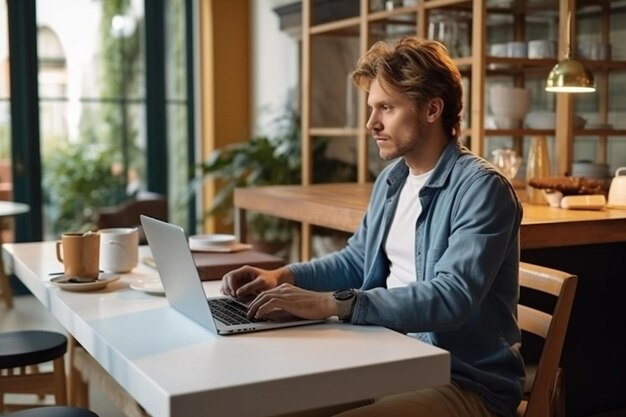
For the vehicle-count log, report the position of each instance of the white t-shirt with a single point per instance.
(400, 243)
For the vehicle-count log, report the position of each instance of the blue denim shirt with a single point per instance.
(464, 298)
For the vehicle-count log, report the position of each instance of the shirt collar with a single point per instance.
(440, 173)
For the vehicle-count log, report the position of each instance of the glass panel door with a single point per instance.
(92, 108)
(6, 182)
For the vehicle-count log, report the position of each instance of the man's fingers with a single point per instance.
(251, 288)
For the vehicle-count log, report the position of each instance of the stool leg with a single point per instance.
(60, 383)
(78, 390)
(5, 286)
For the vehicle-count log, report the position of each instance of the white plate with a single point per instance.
(103, 280)
(235, 247)
(150, 286)
(210, 240)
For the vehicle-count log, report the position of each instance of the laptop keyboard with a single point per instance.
(229, 311)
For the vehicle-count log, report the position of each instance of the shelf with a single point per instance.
(507, 62)
(519, 132)
(340, 26)
(383, 15)
(600, 132)
(442, 4)
(334, 131)
(509, 65)
(548, 132)
(512, 132)
(603, 65)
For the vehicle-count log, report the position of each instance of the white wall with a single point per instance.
(274, 66)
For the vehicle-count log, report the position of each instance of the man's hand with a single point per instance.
(248, 280)
(287, 298)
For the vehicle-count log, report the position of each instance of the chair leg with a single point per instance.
(558, 398)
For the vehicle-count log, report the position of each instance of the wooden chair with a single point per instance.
(20, 356)
(544, 390)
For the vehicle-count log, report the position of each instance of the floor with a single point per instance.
(29, 314)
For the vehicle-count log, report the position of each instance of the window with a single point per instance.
(93, 109)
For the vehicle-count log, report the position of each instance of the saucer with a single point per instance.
(150, 286)
(103, 280)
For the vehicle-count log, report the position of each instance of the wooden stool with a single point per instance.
(21, 352)
(53, 411)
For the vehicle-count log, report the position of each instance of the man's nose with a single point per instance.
(373, 123)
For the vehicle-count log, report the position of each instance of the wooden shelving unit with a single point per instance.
(477, 67)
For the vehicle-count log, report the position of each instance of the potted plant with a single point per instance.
(269, 160)
(79, 181)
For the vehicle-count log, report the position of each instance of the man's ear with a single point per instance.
(434, 108)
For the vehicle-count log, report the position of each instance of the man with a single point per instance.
(437, 253)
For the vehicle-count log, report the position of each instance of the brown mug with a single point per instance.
(80, 254)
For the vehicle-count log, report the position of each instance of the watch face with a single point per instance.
(344, 294)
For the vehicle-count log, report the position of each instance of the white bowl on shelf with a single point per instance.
(509, 105)
(541, 120)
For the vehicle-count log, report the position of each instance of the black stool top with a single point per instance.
(53, 411)
(30, 347)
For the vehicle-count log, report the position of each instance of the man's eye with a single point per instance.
(386, 107)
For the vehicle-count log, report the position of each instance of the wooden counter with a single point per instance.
(588, 243)
(341, 207)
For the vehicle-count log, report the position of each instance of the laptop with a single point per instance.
(183, 288)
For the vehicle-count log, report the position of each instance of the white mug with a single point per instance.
(119, 249)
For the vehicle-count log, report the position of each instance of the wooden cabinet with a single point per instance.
(331, 108)
(602, 23)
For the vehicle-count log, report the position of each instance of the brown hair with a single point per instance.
(419, 68)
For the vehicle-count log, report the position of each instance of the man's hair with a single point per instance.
(419, 68)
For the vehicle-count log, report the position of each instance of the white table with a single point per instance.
(174, 367)
(8, 209)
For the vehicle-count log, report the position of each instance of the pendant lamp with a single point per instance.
(570, 75)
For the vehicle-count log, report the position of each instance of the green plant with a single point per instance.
(78, 180)
(269, 160)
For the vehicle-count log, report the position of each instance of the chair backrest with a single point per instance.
(550, 327)
(127, 214)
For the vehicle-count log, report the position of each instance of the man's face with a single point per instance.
(394, 123)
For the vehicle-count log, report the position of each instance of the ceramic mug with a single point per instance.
(617, 190)
(79, 253)
(119, 249)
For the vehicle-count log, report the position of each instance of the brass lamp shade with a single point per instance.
(570, 76)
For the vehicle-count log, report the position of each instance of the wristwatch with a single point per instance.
(345, 303)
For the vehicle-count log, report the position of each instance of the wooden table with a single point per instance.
(175, 368)
(341, 207)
